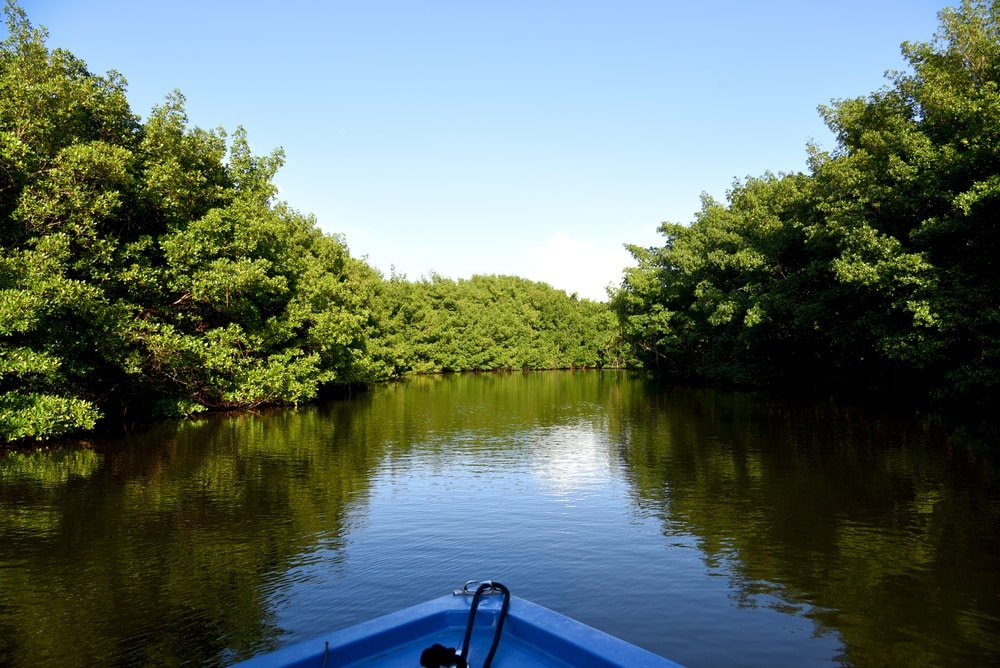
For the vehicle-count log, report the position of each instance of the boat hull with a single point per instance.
(532, 636)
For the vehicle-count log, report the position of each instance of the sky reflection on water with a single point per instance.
(713, 528)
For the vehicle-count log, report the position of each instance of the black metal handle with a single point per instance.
(483, 588)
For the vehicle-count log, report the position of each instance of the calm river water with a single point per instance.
(717, 529)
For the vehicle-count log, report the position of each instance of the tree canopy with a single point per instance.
(496, 323)
(147, 269)
(875, 269)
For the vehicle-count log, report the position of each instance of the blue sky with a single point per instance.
(533, 138)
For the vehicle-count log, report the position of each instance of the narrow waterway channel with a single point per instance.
(714, 528)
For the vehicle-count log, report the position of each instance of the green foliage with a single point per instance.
(147, 270)
(494, 323)
(146, 267)
(876, 269)
(40, 415)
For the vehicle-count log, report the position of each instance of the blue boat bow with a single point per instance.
(529, 635)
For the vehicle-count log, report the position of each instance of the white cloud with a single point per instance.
(578, 266)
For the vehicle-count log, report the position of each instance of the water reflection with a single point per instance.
(884, 531)
(567, 460)
(165, 546)
(715, 528)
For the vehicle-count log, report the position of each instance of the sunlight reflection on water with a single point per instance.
(568, 459)
(712, 528)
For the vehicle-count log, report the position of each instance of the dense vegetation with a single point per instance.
(876, 270)
(496, 322)
(147, 270)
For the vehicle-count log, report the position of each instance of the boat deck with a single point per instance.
(532, 636)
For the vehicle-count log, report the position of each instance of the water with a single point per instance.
(714, 528)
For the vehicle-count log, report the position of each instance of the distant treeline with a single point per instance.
(493, 323)
(877, 270)
(147, 270)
